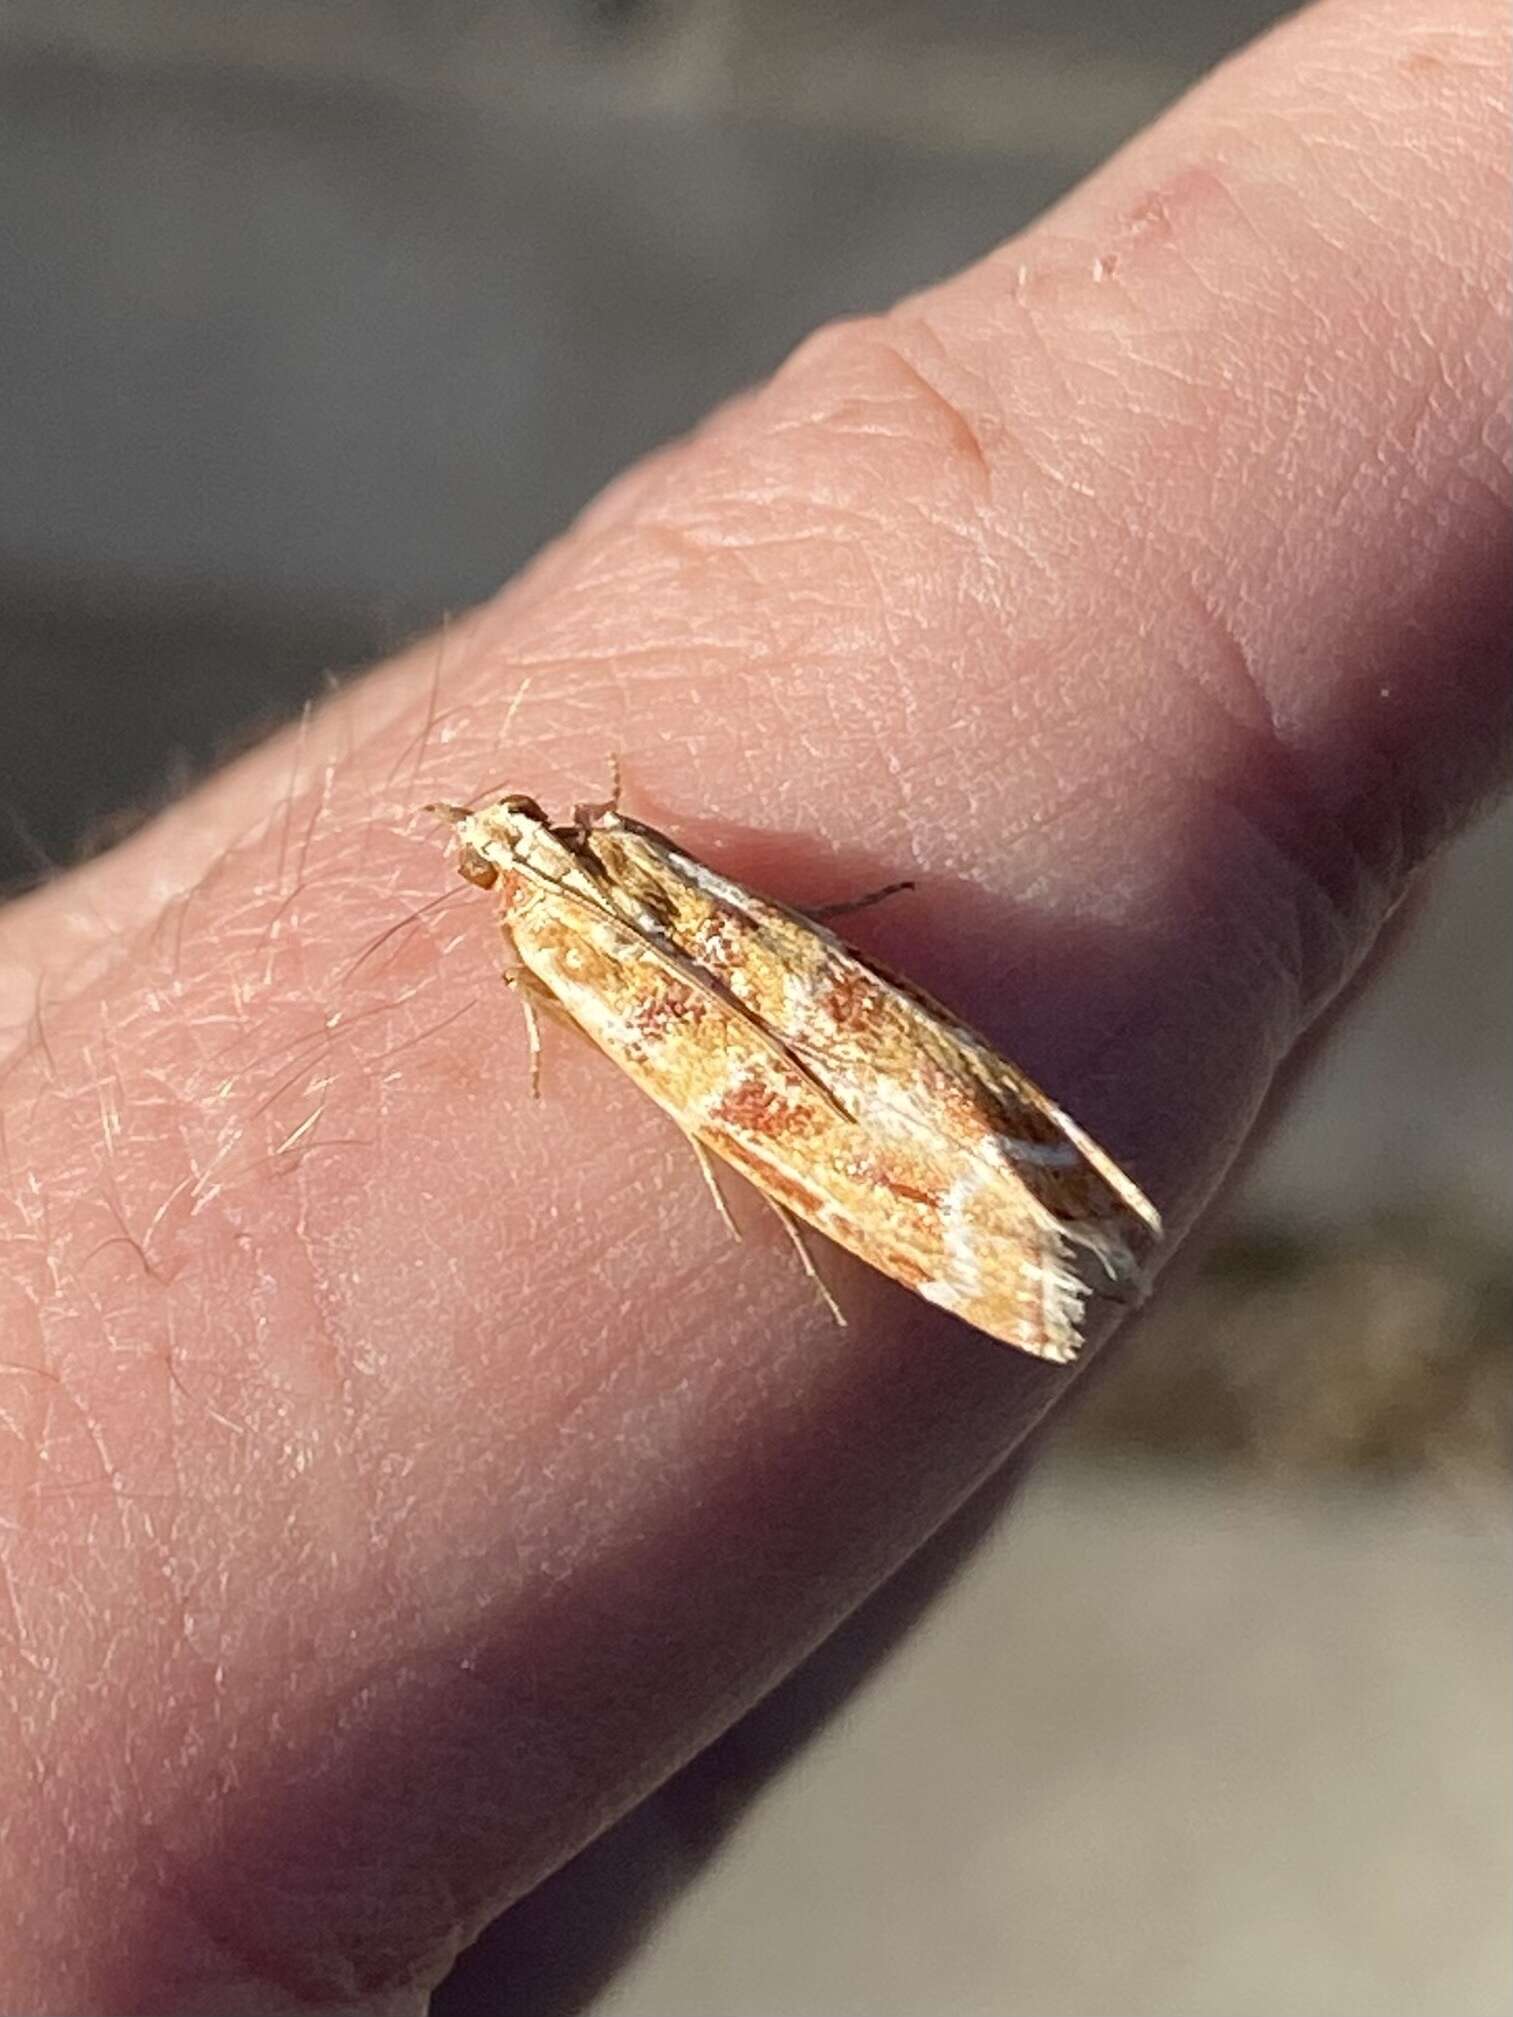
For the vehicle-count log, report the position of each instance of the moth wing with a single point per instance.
(1001, 1113)
(911, 1067)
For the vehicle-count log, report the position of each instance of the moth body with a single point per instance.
(849, 1097)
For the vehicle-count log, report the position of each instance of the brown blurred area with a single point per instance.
(317, 320)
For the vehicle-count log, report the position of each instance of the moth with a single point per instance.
(850, 1098)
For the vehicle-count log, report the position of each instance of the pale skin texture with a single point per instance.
(389, 1498)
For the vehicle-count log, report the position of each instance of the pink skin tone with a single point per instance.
(399, 1478)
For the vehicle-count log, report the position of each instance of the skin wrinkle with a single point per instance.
(1339, 897)
(966, 447)
(1224, 661)
(994, 439)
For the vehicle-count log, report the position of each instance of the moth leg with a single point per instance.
(534, 996)
(712, 1184)
(794, 1231)
(596, 809)
(851, 903)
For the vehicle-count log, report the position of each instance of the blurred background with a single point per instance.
(316, 319)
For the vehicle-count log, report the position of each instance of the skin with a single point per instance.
(390, 1498)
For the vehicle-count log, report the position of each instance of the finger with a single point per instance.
(401, 1485)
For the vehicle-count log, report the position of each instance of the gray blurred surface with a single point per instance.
(1410, 1108)
(315, 321)
(1165, 1749)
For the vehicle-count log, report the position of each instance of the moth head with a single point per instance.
(491, 836)
(472, 864)
(514, 824)
(522, 808)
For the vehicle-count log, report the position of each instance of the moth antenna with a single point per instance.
(418, 743)
(517, 699)
(593, 810)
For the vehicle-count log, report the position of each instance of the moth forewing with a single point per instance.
(848, 1096)
(862, 1026)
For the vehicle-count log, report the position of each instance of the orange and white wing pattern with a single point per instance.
(850, 1098)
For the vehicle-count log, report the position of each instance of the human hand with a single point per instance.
(399, 1478)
